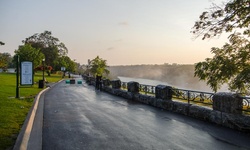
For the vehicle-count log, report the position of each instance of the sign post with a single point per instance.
(17, 76)
(63, 70)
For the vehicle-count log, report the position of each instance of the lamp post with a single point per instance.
(43, 71)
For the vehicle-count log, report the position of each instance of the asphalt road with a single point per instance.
(78, 117)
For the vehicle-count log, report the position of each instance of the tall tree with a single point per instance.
(50, 46)
(230, 63)
(98, 66)
(28, 53)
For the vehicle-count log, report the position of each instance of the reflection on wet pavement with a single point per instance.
(78, 117)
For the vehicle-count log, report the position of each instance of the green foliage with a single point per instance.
(28, 53)
(98, 66)
(233, 15)
(65, 61)
(50, 46)
(230, 63)
(51, 55)
(5, 60)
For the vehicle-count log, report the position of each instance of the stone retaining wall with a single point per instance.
(226, 111)
(234, 121)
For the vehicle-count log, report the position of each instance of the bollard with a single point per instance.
(72, 81)
(79, 82)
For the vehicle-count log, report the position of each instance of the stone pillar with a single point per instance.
(228, 103)
(116, 84)
(163, 92)
(133, 87)
(106, 82)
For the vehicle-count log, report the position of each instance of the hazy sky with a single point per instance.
(123, 32)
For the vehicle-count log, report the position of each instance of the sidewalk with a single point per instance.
(30, 135)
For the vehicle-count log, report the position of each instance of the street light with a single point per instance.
(43, 70)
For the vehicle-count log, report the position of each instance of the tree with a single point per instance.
(231, 63)
(71, 65)
(50, 46)
(65, 61)
(28, 53)
(98, 66)
(5, 60)
(2, 43)
(230, 17)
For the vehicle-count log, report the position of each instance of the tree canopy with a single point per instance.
(98, 66)
(231, 63)
(232, 16)
(65, 61)
(50, 46)
(28, 53)
(2, 43)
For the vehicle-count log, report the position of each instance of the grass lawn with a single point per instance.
(13, 111)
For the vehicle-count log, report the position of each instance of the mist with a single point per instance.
(178, 76)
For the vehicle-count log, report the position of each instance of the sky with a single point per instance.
(123, 32)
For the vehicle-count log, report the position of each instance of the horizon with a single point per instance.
(170, 64)
(121, 32)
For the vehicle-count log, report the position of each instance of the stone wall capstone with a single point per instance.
(116, 84)
(163, 92)
(133, 87)
(228, 103)
(106, 82)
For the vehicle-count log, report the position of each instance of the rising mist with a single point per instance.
(179, 76)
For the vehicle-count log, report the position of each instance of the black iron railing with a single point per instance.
(147, 89)
(180, 94)
(189, 96)
(193, 96)
(143, 88)
(124, 85)
(246, 103)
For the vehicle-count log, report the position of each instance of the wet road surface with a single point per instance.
(78, 117)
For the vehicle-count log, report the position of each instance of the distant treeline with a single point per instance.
(180, 76)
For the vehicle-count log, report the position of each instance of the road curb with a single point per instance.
(30, 135)
(23, 138)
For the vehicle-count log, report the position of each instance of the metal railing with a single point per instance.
(246, 103)
(143, 88)
(180, 94)
(193, 96)
(189, 96)
(124, 85)
(147, 89)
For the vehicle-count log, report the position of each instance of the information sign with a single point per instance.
(27, 76)
(63, 68)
